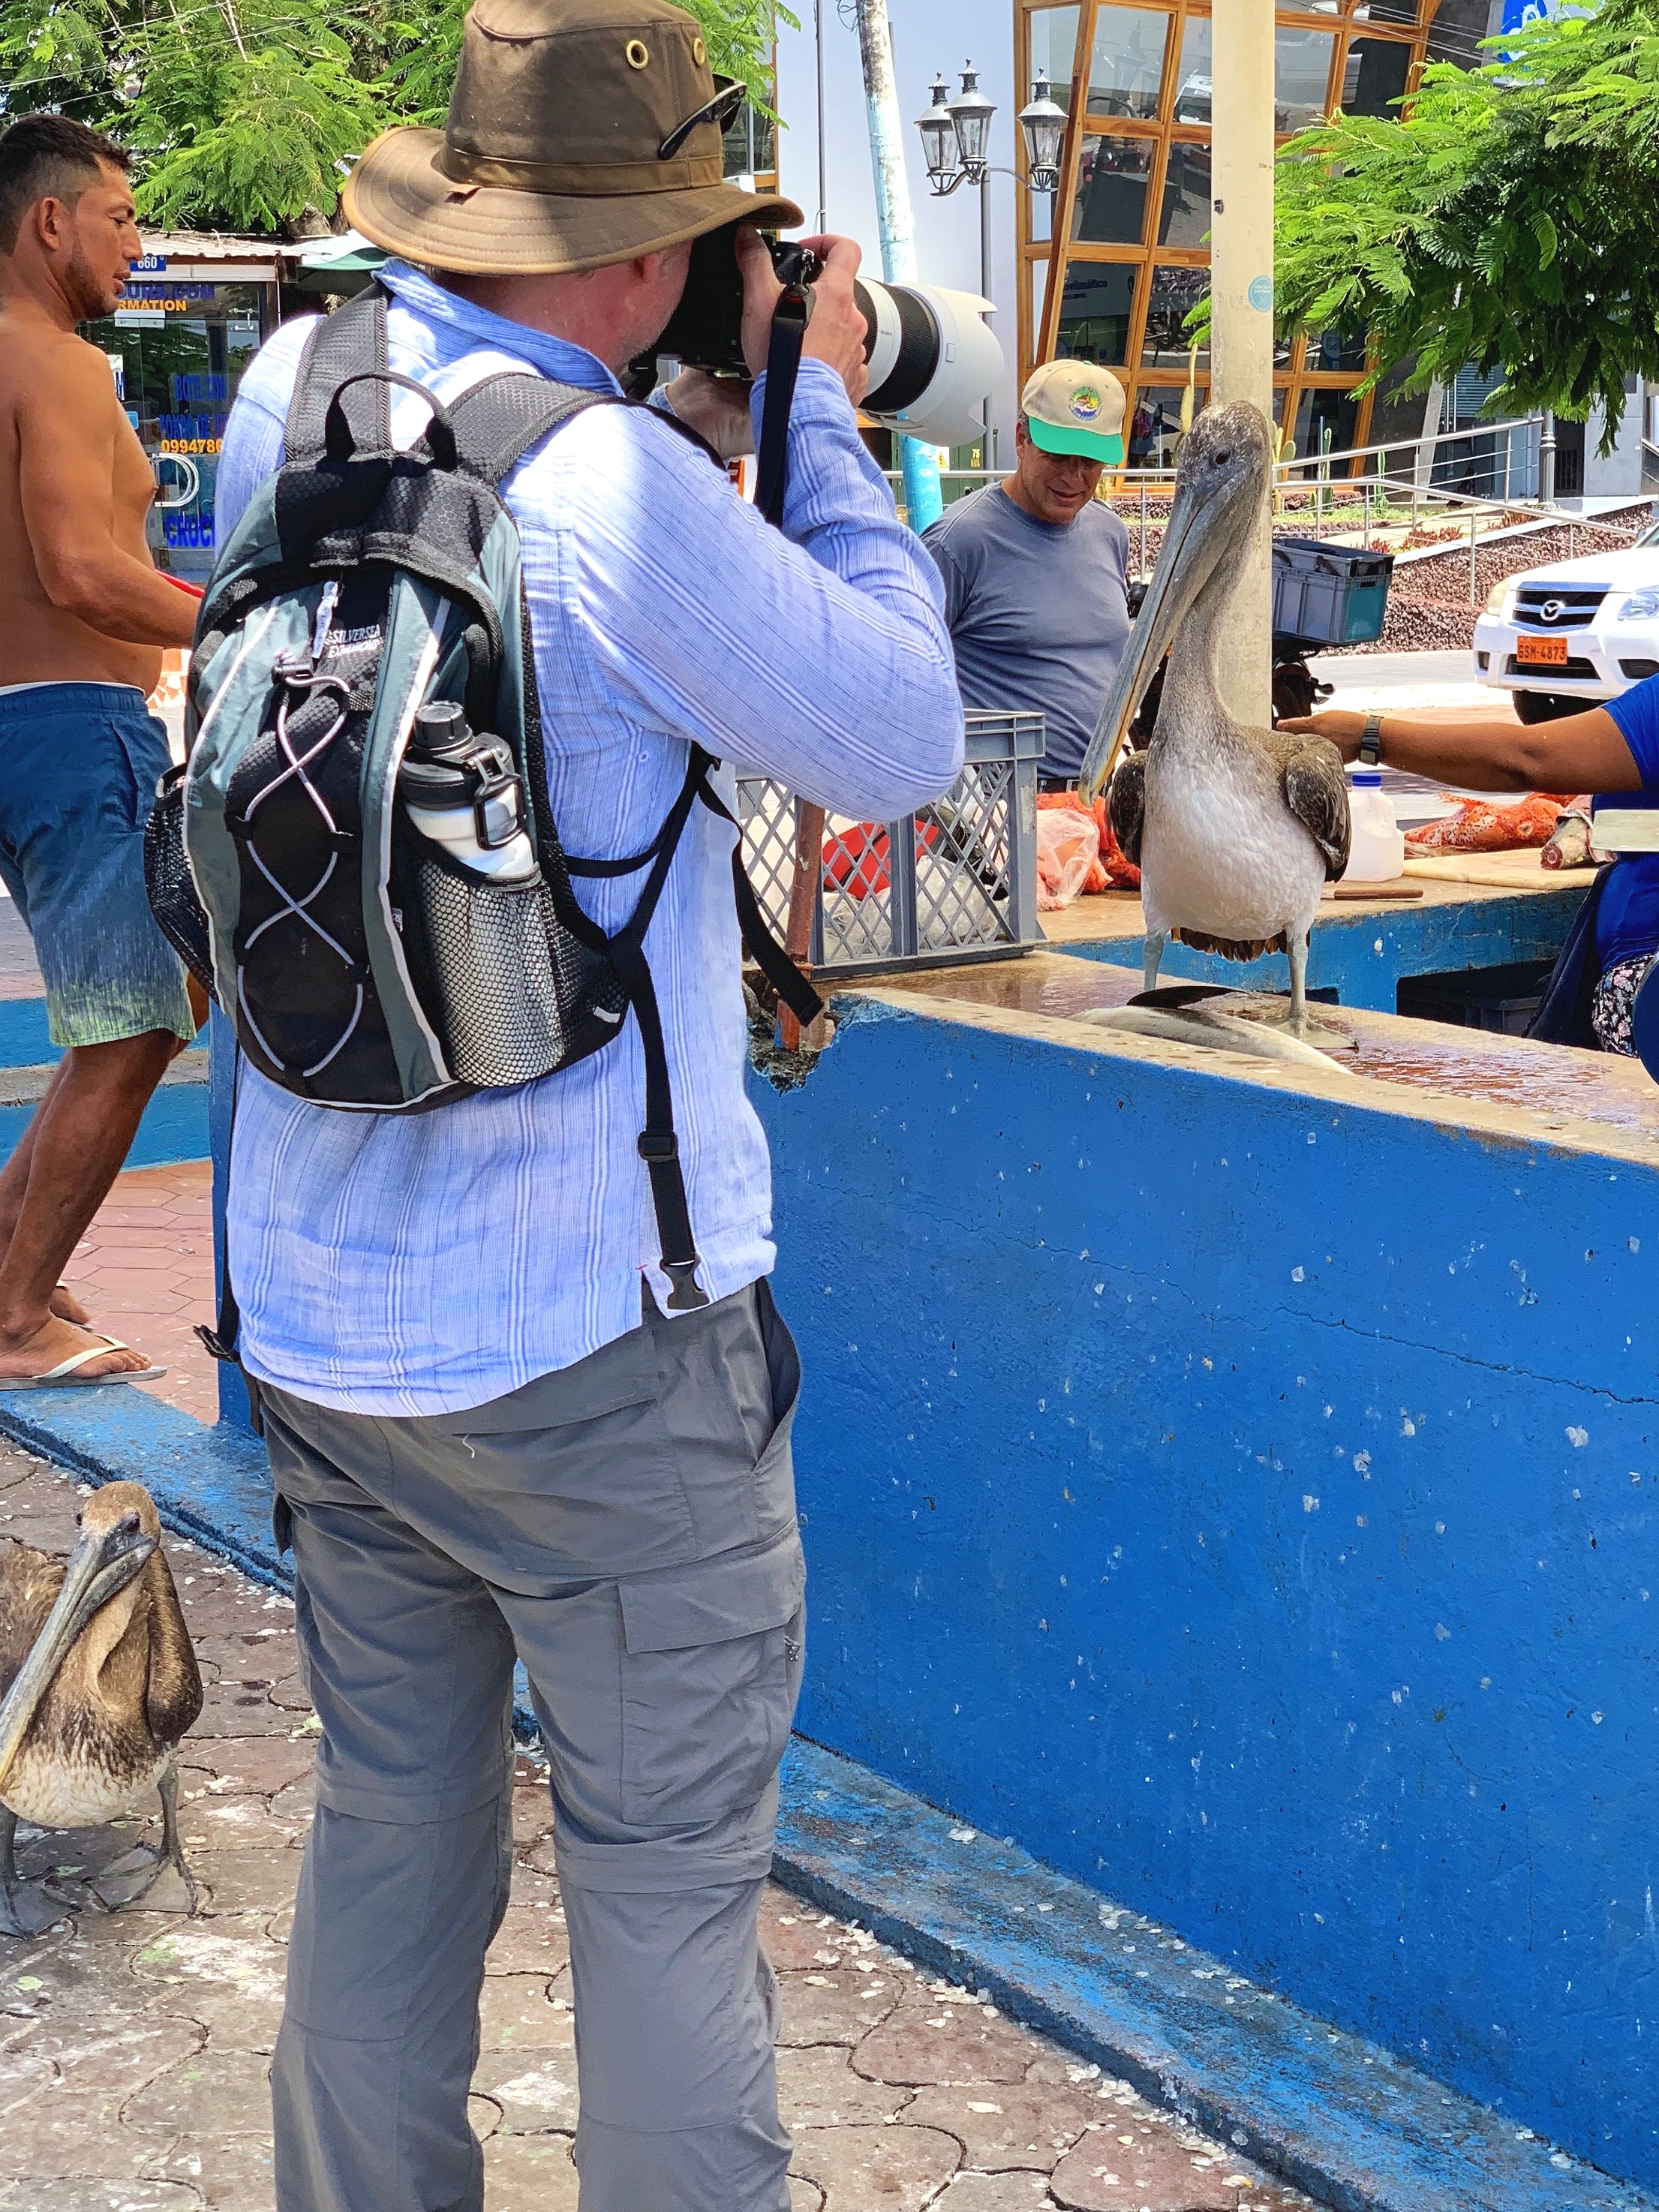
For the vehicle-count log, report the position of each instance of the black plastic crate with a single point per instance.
(1503, 999)
(1326, 594)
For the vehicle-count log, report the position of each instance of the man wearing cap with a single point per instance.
(489, 1439)
(1036, 569)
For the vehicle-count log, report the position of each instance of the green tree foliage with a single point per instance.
(245, 113)
(1506, 221)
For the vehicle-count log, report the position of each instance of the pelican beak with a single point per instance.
(1194, 543)
(101, 1565)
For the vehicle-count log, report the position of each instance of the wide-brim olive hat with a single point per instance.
(579, 132)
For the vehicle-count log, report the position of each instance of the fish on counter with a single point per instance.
(1482, 825)
(1572, 844)
(98, 1686)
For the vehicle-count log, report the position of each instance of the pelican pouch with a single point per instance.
(361, 967)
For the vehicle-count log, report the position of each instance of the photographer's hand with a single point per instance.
(836, 331)
(716, 407)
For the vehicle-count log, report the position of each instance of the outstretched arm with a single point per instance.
(67, 430)
(1581, 752)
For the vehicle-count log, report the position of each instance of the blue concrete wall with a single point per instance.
(1248, 1504)
(1362, 956)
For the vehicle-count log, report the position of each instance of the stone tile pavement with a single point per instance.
(134, 2045)
(144, 1271)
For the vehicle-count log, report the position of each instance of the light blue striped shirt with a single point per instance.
(422, 1265)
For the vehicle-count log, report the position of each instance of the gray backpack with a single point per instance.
(362, 965)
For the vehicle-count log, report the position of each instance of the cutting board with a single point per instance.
(1504, 871)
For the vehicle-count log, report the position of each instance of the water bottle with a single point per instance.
(463, 792)
(1377, 851)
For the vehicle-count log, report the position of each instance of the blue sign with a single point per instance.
(149, 263)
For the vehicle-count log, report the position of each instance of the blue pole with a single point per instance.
(923, 501)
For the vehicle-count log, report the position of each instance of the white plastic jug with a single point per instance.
(1377, 850)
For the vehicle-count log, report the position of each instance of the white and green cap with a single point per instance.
(1074, 407)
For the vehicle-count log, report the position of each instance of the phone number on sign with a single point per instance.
(192, 444)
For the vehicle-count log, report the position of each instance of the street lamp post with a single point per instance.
(956, 136)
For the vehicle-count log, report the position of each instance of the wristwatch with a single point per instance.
(1370, 739)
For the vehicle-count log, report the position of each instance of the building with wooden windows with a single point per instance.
(1109, 268)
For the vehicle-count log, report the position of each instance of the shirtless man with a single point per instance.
(85, 619)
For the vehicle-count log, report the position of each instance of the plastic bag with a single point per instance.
(1113, 870)
(1067, 848)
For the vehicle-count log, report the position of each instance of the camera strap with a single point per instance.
(789, 320)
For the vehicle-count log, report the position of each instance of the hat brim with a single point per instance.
(1103, 446)
(398, 196)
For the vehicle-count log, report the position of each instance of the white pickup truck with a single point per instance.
(1564, 636)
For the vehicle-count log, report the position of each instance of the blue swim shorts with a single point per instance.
(78, 769)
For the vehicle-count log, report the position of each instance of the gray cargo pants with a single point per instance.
(626, 1527)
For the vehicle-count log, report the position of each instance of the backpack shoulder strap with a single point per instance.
(497, 421)
(353, 338)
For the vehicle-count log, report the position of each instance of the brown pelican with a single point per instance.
(98, 1683)
(1236, 830)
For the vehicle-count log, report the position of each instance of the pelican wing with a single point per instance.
(172, 1693)
(1316, 792)
(1125, 804)
(29, 1584)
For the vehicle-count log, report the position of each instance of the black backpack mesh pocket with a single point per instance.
(170, 885)
(515, 995)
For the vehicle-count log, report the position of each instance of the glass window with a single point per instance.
(1374, 77)
(178, 352)
(1039, 282)
(1455, 30)
(1176, 293)
(1095, 309)
(1054, 50)
(1112, 175)
(1302, 76)
(1155, 423)
(1325, 422)
(1185, 219)
(1192, 91)
(1337, 350)
(1126, 68)
(1399, 11)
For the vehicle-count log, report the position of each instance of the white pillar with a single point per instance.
(1242, 281)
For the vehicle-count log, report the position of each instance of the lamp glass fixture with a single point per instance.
(971, 112)
(1043, 126)
(939, 138)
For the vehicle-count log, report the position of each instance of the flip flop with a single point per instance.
(63, 1376)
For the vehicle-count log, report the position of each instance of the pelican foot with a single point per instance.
(29, 1909)
(139, 1875)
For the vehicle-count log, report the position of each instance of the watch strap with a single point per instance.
(1370, 739)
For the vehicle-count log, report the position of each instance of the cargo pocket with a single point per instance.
(711, 1669)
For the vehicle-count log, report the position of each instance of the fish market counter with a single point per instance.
(1478, 912)
(1236, 1480)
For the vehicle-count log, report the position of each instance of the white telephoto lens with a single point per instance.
(931, 359)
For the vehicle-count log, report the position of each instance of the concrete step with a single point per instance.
(174, 1125)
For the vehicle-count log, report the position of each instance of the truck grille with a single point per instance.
(1571, 671)
(1558, 607)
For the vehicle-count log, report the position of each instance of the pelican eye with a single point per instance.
(127, 1525)
(1221, 460)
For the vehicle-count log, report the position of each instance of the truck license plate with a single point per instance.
(1541, 652)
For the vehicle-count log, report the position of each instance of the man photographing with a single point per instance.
(490, 1438)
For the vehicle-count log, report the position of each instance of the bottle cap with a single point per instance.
(1366, 779)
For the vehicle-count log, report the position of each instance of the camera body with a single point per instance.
(931, 357)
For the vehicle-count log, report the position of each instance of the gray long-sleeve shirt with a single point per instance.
(1038, 613)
